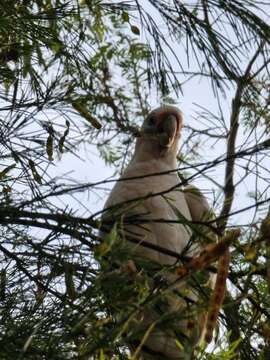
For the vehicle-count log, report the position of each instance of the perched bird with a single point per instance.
(155, 209)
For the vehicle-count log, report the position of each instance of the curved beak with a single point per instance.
(167, 131)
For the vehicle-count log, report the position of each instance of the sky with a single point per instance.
(91, 168)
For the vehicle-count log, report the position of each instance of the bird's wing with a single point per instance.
(200, 210)
(197, 203)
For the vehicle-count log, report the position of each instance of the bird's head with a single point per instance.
(161, 130)
(163, 124)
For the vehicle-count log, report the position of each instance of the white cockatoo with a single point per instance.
(150, 191)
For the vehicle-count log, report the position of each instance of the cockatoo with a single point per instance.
(150, 191)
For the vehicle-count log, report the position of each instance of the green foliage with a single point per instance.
(85, 72)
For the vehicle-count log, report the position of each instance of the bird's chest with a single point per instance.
(169, 228)
(163, 212)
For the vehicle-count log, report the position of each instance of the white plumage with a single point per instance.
(155, 153)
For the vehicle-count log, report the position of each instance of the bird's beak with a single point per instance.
(167, 131)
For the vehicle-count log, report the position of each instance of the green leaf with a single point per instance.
(125, 16)
(26, 64)
(49, 147)
(101, 355)
(179, 345)
(63, 138)
(35, 174)
(135, 29)
(56, 46)
(107, 242)
(4, 172)
(3, 282)
(78, 106)
(40, 58)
